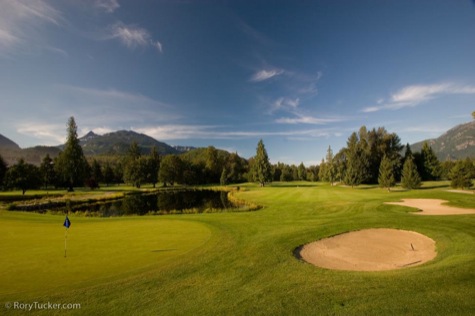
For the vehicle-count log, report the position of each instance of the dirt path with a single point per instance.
(433, 207)
(370, 250)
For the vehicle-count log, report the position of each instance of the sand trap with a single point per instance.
(433, 207)
(370, 250)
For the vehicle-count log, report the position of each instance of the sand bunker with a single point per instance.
(370, 250)
(433, 207)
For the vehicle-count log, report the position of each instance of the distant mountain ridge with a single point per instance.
(108, 144)
(119, 142)
(456, 143)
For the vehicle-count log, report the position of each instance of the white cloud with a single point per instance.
(173, 132)
(158, 45)
(414, 95)
(108, 6)
(284, 103)
(265, 74)
(21, 22)
(303, 119)
(49, 134)
(133, 36)
(130, 35)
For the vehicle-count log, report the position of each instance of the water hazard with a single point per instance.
(171, 202)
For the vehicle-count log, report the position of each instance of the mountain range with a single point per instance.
(115, 143)
(456, 143)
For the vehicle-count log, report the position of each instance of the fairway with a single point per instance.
(240, 263)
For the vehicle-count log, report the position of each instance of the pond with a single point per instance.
(164, 202)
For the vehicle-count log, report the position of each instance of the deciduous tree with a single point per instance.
(23, 176)
(462, 174)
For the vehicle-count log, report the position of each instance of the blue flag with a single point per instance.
(67, 222)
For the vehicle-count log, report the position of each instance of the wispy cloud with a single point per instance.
(133, 36)
(284, 103)
(266, 74)
(416, 94)
(108, 6)
(176, 132)
(306, 119)
(21, 22)
(49, 134)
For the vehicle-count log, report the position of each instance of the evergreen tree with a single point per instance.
(286, 174)
(330, 166)
(47, 171)
(462, 174)
(262, 165)
(71, 163)
(431, 169)
(357, 162)
(408, 152)
(386, 174)
(302, 172)
(322, 171)
(410, 178)
(108, 174)
(137, 169)
(3, 171)
(153, 167)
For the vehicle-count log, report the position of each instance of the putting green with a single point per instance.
(32, 248)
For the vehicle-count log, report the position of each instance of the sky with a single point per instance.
(300, 75)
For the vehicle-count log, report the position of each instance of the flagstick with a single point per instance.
(65, 238)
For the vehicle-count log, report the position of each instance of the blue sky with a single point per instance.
(301, 75)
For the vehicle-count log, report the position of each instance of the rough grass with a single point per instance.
(240, 263)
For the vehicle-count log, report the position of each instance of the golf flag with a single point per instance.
(67, 222)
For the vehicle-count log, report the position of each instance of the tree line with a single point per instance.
(370, 157)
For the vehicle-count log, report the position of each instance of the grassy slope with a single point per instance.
(247, 266)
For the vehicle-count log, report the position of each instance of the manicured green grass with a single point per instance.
(240, 263)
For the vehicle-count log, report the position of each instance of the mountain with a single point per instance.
(92, 144)
(119, 142)
(6, 143)
(456, 143)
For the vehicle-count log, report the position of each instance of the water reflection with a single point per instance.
(198, 201)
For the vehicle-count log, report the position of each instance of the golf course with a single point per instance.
(240, 263)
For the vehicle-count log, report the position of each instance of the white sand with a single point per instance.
(370, 250)
(433, 207)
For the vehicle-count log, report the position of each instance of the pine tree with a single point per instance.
(410, 178)
(386, 174)
(153, 166)
(71, 163)
(356, 162)
(331, 169)
(3, 170)
(431, 169)
(262, 165)
(47, 171)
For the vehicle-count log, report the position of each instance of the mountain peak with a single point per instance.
(456, 143)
